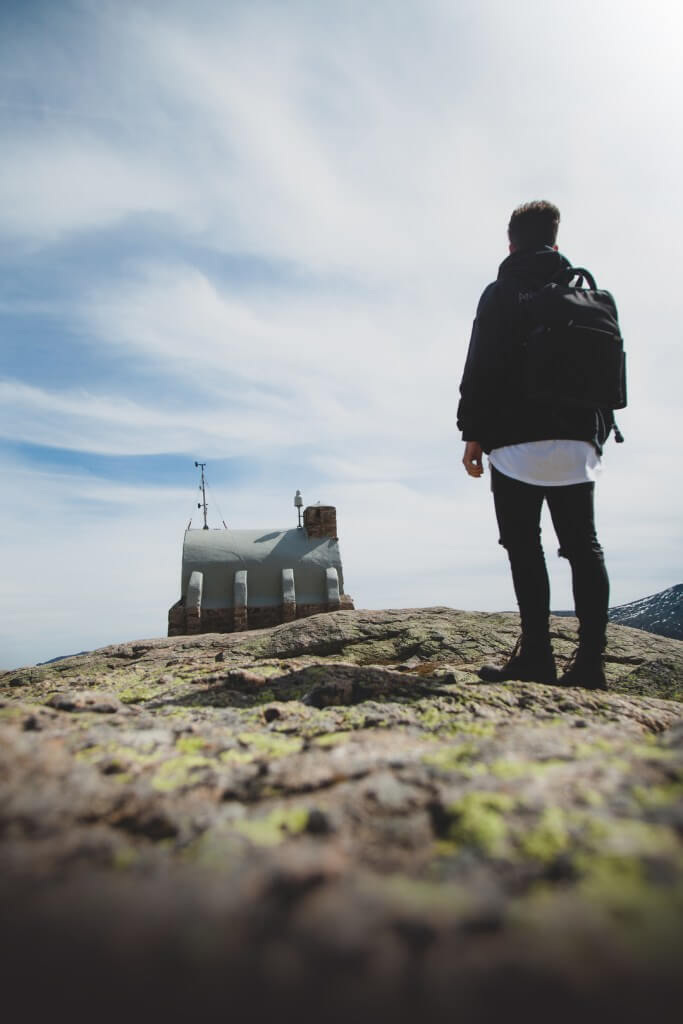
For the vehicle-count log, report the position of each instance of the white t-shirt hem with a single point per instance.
(555, 463)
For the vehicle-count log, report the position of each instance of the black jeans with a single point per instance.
(518, 511)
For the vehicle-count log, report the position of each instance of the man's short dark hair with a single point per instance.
(534, 225)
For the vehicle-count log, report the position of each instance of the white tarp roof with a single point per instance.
(218, 554)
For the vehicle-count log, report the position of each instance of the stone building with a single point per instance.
(245, 579)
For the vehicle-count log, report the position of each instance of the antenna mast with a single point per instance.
(202, 487)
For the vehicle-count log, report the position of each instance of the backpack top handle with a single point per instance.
(581, 273)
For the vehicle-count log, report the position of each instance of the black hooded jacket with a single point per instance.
(493, 409)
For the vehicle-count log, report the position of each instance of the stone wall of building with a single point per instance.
(176, 619)
(184, 622)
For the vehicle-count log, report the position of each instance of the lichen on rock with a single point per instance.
(344, 790)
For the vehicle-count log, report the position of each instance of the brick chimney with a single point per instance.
(321, 521)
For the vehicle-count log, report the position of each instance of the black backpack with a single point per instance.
(574, 352)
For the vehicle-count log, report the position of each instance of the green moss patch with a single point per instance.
(650, 752)
(234, 756)
(138, 693)
(513, 768)
(276, 826)
(434, 718)
(271, 744)
(12, 713)
(190, 744)
(588, 796)
(119, 754)
(450, 758)
(179, 772)
(332, 739)
(548, 838)
(653, 797)
(478, 820)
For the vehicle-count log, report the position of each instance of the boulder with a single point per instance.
(334, 818)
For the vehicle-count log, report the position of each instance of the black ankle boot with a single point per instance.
(585, 668)
(528, 664)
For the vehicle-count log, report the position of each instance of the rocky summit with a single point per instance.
(333, 819)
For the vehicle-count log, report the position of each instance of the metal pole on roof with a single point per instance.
(202, 487)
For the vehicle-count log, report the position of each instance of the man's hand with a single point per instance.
(472, 459)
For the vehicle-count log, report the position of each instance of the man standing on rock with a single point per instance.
(537, 451)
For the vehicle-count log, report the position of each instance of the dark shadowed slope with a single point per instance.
(660, 613)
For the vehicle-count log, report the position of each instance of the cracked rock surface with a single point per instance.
(334, 818)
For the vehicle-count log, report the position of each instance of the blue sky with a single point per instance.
(255, 234)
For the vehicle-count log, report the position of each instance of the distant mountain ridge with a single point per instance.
(660, 613)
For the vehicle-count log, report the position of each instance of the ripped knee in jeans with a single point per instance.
(582, 549)
(521, 541)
